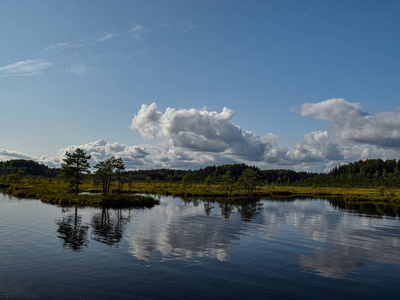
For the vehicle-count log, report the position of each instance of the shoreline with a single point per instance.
(55, 192)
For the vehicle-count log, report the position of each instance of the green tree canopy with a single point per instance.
(74, 168)
(106, 170)
(227, 182)
(248, 180)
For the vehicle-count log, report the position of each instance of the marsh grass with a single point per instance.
(56, 191)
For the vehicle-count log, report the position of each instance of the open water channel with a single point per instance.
(194, 249)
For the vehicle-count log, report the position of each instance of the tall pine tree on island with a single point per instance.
(74, 167)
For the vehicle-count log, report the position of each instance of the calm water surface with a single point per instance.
(295, 249)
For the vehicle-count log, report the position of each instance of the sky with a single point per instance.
(302, 85)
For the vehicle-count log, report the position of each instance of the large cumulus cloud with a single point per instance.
(350, 123)
(149, 156)
(200, 130)
(194, 138)
(316, 146)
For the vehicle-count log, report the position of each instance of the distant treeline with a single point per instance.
(215, 174)
(370, 173)
(29, 167)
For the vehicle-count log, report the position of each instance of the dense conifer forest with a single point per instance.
(29, 167)
(213, 173)
(370, 173)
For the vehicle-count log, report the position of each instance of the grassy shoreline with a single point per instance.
(55, 192)
(391, 196)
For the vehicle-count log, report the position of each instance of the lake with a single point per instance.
(194, 249)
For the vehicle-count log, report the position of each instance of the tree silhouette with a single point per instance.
(226, 209)
(74, 167)
(248, 209)
(108, 227)
(227, 182)
(72, 232)
(107, 170)
(248, 180)
(208, 207)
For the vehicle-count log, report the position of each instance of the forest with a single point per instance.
(9, 169)
(370, 173)
(12, 170)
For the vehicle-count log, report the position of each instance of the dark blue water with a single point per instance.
(299, 249)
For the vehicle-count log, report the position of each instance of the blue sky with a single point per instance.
(306, 85)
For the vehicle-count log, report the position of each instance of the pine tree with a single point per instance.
(74, 167)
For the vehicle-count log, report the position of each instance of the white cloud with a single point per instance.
(107, 36)
(309, 155)
(30, 67)
(147, 121)
(137, 31)
(331, 109)
(212, 137)
(200, 130)
(59, 46)
(51, 161)
(9, 154)
(64, 46)
(194, 138)
(316, 146)
(147, 156)
(350, 123)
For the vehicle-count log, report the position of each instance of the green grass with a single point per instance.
(55, 191)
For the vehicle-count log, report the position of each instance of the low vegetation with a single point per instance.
(54, 192)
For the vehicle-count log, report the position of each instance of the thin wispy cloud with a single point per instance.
(107, 36)
(78, 69)
(187, 25)
(167, 26)
(181, 26)
(137, 31)
(64, 46)
(30, 67)
(59, 46)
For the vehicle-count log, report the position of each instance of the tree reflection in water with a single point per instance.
(72, 232)
(109, 225)
(248, 209)
(377, 209)
(208, 207)
(226, 209)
